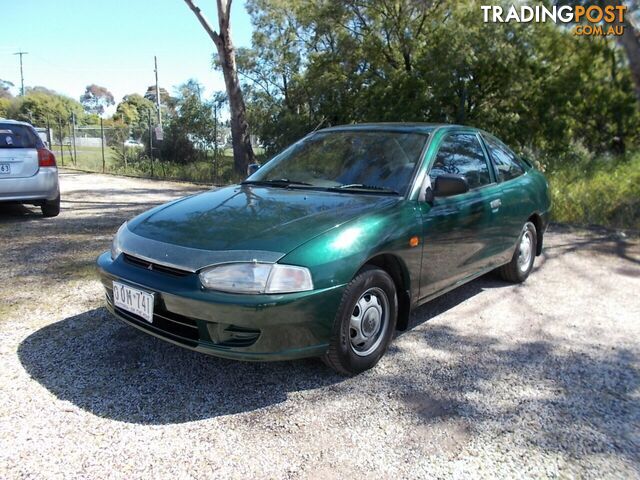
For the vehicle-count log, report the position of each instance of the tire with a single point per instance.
(521, 264)
(357, 346)
(51, 208)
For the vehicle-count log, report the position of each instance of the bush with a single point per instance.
(601, 190)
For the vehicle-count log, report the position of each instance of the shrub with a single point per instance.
(601, 190)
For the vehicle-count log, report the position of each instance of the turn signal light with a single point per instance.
(414, 241)
(46, 158)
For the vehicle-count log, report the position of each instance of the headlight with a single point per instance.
(116, 248)
(257, 278)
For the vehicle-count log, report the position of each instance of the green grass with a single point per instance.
(90, 159)
(601, 191)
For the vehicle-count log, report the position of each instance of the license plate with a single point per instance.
(5, 168)
(133, 300)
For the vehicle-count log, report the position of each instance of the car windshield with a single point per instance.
(17, 136)
(349, 160)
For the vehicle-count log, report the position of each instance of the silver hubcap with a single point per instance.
(368, 321)
(525, 250)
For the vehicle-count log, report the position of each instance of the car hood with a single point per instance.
(250, 218)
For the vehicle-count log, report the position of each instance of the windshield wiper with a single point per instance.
(280, 182)
(362, 186)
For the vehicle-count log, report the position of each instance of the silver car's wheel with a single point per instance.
(368, 320)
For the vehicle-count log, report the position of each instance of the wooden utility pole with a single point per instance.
(155, 60)
(242, 150)
(21, 53)
(150, 142)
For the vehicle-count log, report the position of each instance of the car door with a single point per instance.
(459, 231)
(510, 173)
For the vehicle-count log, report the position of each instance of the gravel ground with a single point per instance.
(492, 380)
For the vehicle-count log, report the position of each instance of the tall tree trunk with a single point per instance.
(242, 150)
(630, 41)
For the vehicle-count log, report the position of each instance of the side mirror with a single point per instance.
(447, 185)
(252, 168)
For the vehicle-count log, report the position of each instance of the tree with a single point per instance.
(38, 107)
(242, 150)
(134, 110)
(190, 132)
(5, 103)
(535, 85)
(630, 41)
(166, 101)
(96, 99)
(5, 85)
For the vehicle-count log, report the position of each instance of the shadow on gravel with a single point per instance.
(112, 370)
(579, 402)
(455, 297)
(596, 240)
(14, 212)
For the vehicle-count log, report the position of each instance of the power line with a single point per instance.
(21, 53)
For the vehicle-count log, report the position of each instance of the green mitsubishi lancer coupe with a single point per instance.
(324, 250)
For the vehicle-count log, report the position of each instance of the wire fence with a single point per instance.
(115, 150)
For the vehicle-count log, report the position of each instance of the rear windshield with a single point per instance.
(18, 136)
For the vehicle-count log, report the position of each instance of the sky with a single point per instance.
(74, 43)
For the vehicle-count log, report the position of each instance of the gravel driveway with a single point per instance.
(492, 380)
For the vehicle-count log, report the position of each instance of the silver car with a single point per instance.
(28, 171)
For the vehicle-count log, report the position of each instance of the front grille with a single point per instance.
(184, 330)
(156, 267)
(168, 324)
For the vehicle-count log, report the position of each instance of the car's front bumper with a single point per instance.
(243, 327)
(39, 187)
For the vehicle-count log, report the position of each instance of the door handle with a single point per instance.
(495, 204)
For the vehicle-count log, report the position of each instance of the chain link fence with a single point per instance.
(114, 150)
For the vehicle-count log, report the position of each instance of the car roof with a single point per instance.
(406, 127)
(14, 122)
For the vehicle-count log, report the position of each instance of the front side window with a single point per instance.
(382, 160)
(462, 154)
(508, 166)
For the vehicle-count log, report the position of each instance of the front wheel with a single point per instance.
(364, 323)
(521, 264)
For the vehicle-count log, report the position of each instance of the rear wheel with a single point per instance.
(521, 264)
(51, 208)
(364, 323)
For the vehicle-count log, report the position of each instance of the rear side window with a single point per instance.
(18, 136)
(462, 154)
(508, 165)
